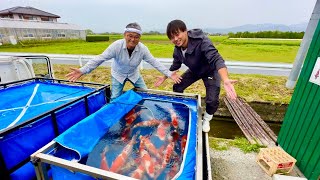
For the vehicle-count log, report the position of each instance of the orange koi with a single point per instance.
(104, 163)
(119, 162)
(183, 143)
(131, 116)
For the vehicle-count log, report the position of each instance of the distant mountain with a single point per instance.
(259, 27)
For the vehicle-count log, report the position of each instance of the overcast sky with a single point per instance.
(114, 15)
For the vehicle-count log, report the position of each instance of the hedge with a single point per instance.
(95, 38)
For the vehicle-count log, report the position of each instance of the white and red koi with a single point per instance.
(125, 134)
(129, 166)
(167, 156)
(183, 144)
(104, 163)
(174, 118)
(150, 123)
(149, 146)
(139, 172)
(162, 130)
(174, 170)
(119, 162)
(147, 162)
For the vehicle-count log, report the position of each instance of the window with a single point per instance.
(44, 18)
(10, 16)
(28, 36)
(61, 35)
(46, 35)
(29, 17)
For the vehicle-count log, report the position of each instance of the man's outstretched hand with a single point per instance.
(229, 88)
(174, 76)
(74, 74)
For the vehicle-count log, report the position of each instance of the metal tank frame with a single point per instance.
(41, 159)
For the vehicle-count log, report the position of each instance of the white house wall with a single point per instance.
(35, 30)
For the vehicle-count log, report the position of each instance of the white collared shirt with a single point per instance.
(123, 66)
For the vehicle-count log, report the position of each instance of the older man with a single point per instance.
(127, 54)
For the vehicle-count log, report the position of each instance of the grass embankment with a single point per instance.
(251, 87)
(253, 50)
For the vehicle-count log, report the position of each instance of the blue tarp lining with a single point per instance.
(19, 144)
(83, 136)
(28, 100)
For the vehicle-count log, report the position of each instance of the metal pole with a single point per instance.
(304, 46)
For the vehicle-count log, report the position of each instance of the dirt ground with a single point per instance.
(233, 164)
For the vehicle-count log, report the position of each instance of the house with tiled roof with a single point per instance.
(28, 23)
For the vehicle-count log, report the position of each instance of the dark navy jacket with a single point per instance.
(201, 57)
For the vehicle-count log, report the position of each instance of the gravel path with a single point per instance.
(233, 164)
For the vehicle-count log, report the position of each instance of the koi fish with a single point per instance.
(150, 147)
(174, 170)
(125, 134)
(167, 156)
(174, 118)
(129, 166)
(150, 123)
(163, 130)
(121, 159)
(131, 116)
(104, 163)
(139, 172)
(147, 161)
(183, 143)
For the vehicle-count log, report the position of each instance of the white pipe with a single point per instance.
(304, 46)
(26, 107)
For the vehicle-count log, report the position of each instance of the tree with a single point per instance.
(89, 31)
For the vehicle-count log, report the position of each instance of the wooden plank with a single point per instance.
(260, 130)
(263, 124)
(245, 117)
(238, 121)
(251, 123)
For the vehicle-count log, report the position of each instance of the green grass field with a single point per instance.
(250, 87)
(252, 50)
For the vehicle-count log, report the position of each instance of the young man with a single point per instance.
(194, 49)
(127, 54)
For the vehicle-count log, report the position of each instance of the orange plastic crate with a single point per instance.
(275, 161)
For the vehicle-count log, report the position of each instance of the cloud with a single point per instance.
(113, 15)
